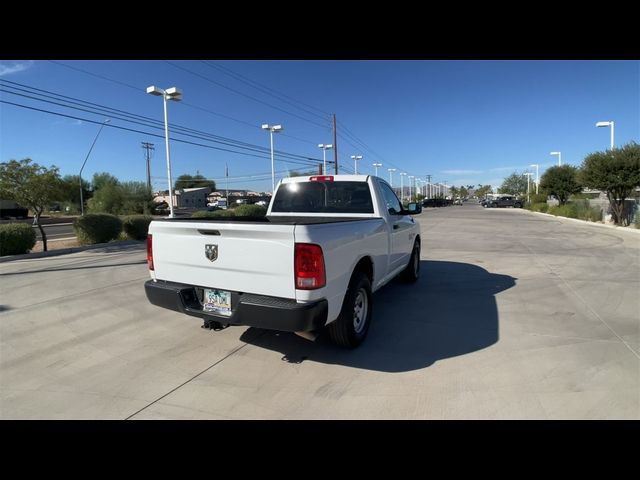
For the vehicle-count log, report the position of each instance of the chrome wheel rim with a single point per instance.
(360, 309)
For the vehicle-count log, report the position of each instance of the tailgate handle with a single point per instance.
(209, 232)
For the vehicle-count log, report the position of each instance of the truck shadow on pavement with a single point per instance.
(450, 311)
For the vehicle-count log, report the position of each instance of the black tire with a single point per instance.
(352, 325)
(412, 272)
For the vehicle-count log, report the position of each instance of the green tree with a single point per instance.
(616, 172)
(482, 190)
(193, 181)
(463, 192)
(514, 184)
(106, 199)
(121, 198)
(70, 189)
(102, 179)
(30, 185)
(561, 182)
(137, 198)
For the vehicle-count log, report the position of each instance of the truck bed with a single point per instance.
(273, 219)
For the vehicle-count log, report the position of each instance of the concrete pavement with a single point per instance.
(515, 316)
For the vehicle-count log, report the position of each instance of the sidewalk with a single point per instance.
(630, 228)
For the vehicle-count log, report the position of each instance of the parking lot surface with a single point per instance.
(515, 316)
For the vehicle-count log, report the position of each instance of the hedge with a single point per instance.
(250, 211)
(136, 227)
(214, 214)
(16, 238)
(97, 228)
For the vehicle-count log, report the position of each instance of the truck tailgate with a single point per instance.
(253, 258)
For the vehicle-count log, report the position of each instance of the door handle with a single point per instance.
(396, 226)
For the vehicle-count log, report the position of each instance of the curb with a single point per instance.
(64, 251)
(585, 222)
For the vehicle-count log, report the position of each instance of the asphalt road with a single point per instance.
(516, 315)
(56, 231)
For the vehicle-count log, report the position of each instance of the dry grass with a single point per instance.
(56, 245)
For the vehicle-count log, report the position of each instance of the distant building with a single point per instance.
(186, 197)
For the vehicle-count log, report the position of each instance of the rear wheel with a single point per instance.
(351, 327)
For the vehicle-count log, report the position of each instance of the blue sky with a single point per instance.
(466, 122)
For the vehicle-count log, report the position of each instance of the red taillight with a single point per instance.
(321, 178)
(309, 267)
(149, 252)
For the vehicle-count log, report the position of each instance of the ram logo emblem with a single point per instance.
(211, 252)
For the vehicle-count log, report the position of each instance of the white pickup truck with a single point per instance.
(325, 244)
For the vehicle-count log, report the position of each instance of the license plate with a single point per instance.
(217, 301)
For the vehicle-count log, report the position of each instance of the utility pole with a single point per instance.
(148, 148)
(335, 144)
(429, 184)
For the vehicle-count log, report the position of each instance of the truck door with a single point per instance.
(400, 229)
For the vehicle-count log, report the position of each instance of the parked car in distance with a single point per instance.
(505, 201)
(220, 203)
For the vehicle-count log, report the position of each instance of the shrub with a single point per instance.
(586, 212)
(539, 207)
(538, 198)
(136, 227)
(214, 214)
(16, 238)
(97, 228)
(569, 210)
(250, 211)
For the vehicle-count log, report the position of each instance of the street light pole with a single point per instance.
(324, 156)
(537, 178)
(174, 94)
(402, 174)
(391, 170)
(528, 174)
(355, 162)
(411, 187)
(272, 129)
(107, 120)
(559, 157)
(608, 124)
(376, 165)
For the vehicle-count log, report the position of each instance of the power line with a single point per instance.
(137, 89)
(264, 89)
(204, 77)
(111, 125)
(145, 121)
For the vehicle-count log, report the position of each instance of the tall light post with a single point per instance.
(355, 162)
(402, 175)
(391, 170)
(272, 129)
(528, 174)
(376, 165)
(174, 94)
(608, 124)
(537, 178)
(411, 177)
(324, 155)
(107, 120)
(559, 157)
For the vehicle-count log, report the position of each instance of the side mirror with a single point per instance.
(412, 207)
